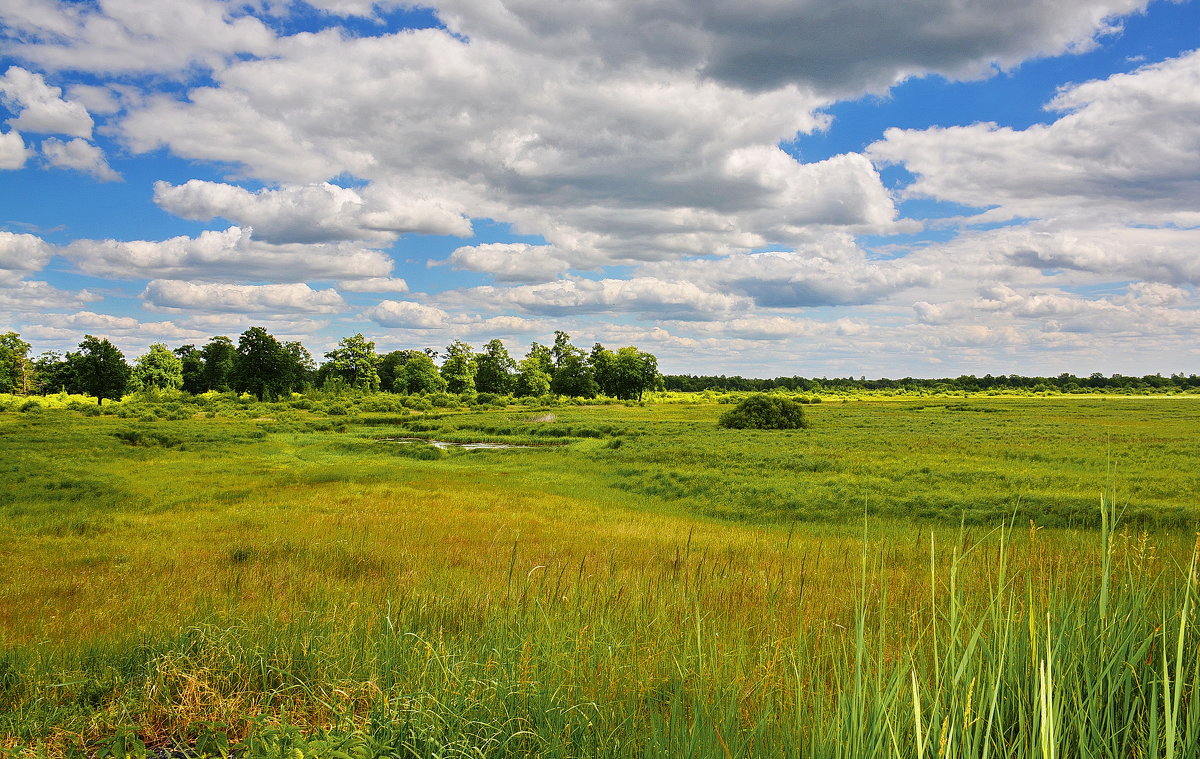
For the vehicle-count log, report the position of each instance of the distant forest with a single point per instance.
(1063, 383)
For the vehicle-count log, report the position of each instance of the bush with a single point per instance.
(764, 412)
(417, 403)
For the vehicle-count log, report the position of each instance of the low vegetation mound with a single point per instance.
(764, 412)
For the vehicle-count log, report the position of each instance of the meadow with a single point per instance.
(909, 577)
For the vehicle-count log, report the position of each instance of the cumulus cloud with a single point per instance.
(228, 256)
(641, 166)
(843, 48)
(21, 255)
(374, 285)
(312, 213)
(175, 295)
(407, 314)
(1067, 253)
(650, 297)
(40, 107)
(128, 36)
(511, 262)
(13, 152)
(29, 296)
(79, 155)
(832, 272)
(1099, 158)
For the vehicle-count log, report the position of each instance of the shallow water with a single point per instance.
(444, 444)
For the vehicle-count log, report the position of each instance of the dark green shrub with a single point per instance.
(764, 412)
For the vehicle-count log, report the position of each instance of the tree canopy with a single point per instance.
(354, 362)
(764, 412)
(157, 369)
(100, 368)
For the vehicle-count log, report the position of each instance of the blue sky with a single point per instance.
(878, 190)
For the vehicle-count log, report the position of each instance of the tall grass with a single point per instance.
(1005, 655)
(510, 607)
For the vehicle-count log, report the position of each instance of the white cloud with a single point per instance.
(26, 296)
(21, 255)
(374, 285)
(79, 155)
(511, 262)
(642, 166)
(102, 100)
(125, 36)
(230, 256)
(312, 213)
(40, 107)
(830, 271)
(650, 297)
(1126, 148)
(175, 295)
(13, 152)
(1068, 253)
(407, 314)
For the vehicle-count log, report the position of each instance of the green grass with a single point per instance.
(648, 585)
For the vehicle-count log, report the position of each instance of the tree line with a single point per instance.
(268, 368)
(1063, 383)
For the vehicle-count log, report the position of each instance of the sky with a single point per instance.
(765, 188)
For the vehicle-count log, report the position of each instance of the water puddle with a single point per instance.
(445, 445)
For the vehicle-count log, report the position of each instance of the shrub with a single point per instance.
(417, 403)
(764, 412)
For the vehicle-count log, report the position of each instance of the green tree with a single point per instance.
(459, 368)
(15, 370)
(631, 373)
(100, 369)
(764, 412)
(602, 362)
(157, 369)
(262, 365)
(572, 374)
(193, 368)
(495, 369)
(220, 357)
(53, 372)
(355, 362)
(533, 371)
(389, 364)
(299, 367)
(418, 374)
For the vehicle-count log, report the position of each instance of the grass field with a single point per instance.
(908, 577)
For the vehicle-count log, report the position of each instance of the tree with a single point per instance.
(299, 369)
(459, 368)
(219, 356)
(534, 371)
(53, 372)
(562, 347)
(602, 361)
(418, 374)
(495, 369)
(157, 369)
(389, 364)
(262, 365)
(100, 369)
(355, 362)
(764, 412)
(14, 364)
(630, 373)
(192, 362)
(572, 375)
